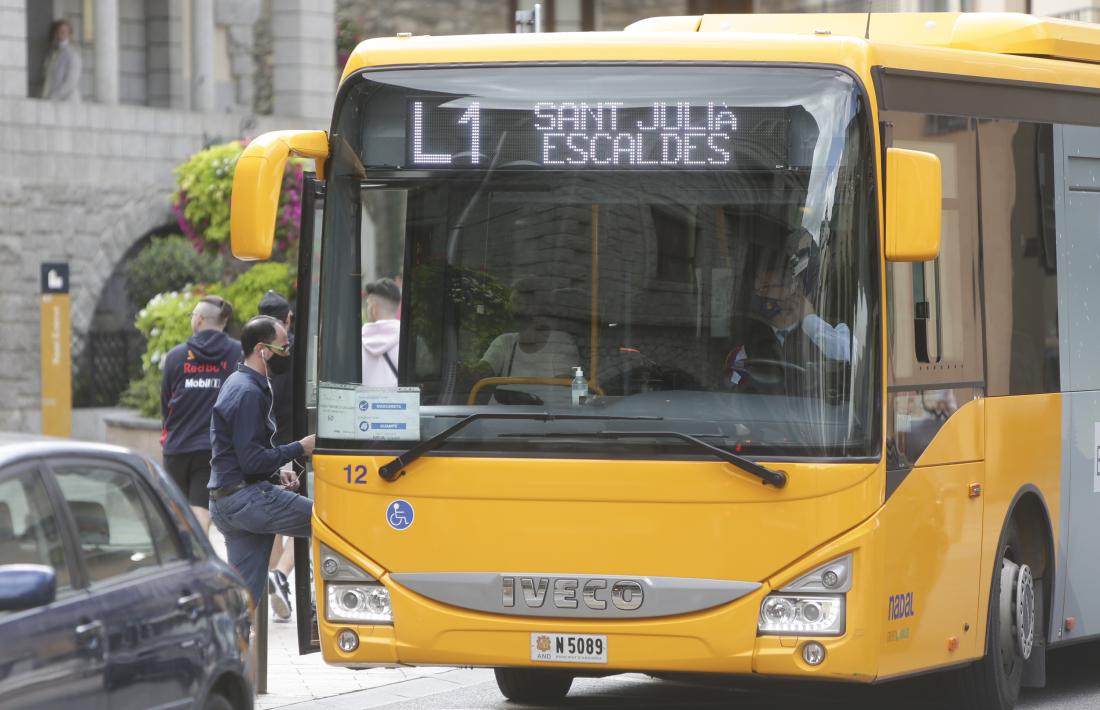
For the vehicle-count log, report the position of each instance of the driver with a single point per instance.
(535, 348)
(786, 330)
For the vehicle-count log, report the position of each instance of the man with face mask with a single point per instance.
(785, 331)
(245, 505)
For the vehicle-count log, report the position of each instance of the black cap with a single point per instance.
(274, 305)
(385, 288)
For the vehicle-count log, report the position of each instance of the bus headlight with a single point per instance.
(337, 568)
(358, 603)
(352, 596)
(787, 614)
(833, 577)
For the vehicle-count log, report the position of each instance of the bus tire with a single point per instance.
(529, 685)
(993, 683)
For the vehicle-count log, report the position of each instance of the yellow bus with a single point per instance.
(752, 345)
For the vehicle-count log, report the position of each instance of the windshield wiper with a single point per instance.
(393, 470)
(767, 475)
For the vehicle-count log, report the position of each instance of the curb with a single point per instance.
(397, 692)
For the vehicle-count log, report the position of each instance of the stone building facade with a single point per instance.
(86, 182)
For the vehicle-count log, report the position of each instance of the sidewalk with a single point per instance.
(307, 682)
(295, 681)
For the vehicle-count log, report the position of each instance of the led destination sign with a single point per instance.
(592, 134)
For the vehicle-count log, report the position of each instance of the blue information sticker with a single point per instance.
(399, 514)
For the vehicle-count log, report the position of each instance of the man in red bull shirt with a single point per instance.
(193, 374)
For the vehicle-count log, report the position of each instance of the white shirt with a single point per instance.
(556, 358)
(834, 342)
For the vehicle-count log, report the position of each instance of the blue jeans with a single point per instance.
(250, 519)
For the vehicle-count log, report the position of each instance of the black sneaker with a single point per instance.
(278, 595)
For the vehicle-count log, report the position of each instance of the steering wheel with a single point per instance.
(769, 371)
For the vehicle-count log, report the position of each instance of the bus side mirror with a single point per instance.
(913, 205)
(256, 184)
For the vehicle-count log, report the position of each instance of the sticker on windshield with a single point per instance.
(399, 514)
(351, 412)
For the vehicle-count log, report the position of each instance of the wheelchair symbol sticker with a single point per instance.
(399, 514)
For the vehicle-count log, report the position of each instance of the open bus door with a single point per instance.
(305, 392)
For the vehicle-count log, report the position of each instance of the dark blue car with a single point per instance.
(110, 595)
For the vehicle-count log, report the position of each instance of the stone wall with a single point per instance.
(13, 55)
(81, 183)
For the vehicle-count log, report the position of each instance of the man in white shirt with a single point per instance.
(779, 300)
(381, 334)
(535, 349)
(787, 334)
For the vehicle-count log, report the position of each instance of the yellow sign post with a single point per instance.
(56, 349)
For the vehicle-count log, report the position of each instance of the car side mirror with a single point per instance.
(26, 586)
(914, 204)
(257, 180)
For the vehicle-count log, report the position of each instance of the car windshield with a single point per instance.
(690, 243)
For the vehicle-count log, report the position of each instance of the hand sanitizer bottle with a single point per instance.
(580, 387)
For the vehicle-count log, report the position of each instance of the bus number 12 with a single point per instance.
(360, 478)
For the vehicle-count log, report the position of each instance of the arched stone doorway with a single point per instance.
(107, 347)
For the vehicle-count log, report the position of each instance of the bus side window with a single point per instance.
(935, 326)
(1018, 257)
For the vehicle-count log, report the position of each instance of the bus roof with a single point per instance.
(995, 32)
(1007, 34)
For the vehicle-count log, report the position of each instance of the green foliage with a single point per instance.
(165, 322)
(168, 264)
(245, 293)
(202, 201)
(143, 394)
(482, 302)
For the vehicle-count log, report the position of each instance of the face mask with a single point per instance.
(766, 307)
(278, 365)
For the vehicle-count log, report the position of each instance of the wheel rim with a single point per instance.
(1016, 613)
(1025, 611)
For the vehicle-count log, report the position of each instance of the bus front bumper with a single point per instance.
(722, 639)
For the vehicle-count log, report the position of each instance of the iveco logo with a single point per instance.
(570, 592)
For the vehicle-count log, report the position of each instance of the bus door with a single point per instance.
(305, 393)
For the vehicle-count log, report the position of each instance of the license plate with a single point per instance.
(569, 648)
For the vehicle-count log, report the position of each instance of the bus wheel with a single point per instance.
(993, 683)
(527, 685)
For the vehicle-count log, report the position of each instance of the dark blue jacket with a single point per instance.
(242, 432)
(193, 374)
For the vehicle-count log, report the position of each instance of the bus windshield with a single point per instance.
(690, 243)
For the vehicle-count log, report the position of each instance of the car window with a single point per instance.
(166, 541)
(29, 532)
(113, 528)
